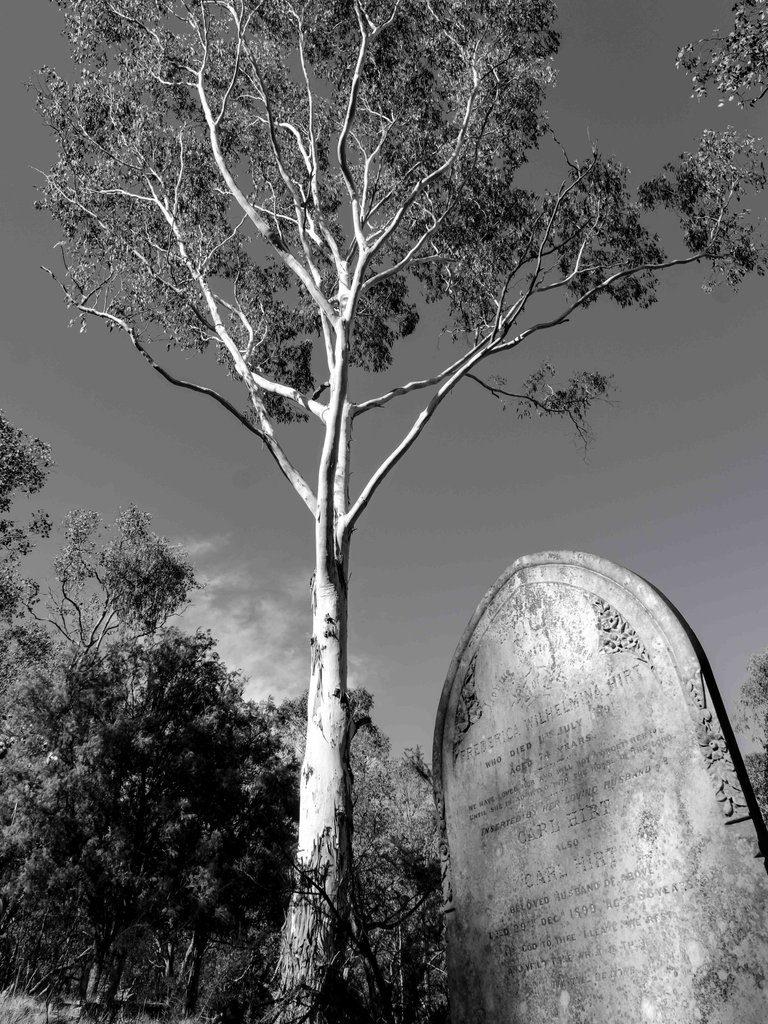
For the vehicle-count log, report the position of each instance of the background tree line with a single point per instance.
(148, 811)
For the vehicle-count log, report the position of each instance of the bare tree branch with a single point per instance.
(263, 228)
(263, 431)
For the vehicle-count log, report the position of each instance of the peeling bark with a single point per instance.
(198, 946)
(317, 923)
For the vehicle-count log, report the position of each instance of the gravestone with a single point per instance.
(602, 851)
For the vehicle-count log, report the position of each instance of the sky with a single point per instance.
(674, 486)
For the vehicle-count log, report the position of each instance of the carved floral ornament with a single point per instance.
(616, 634)
(469, 709)
(719, 762)
(444, 854)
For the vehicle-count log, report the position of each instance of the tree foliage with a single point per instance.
(124, 581)
(736, 64)
(710, 186)
(24, 465)
(373, 155)
(143, 795)
(144, 802)
(148, 820)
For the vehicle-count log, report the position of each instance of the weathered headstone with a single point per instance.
(601, 849)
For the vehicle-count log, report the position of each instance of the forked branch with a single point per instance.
(262, 429)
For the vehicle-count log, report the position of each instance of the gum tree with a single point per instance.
(291, 182)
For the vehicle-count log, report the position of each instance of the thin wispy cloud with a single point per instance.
(202, 547)
(258, 613)
(258, 609)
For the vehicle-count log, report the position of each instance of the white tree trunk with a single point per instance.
(315, 930)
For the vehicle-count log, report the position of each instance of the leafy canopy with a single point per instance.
(736, 64)
(257, 175)
(137, 165)
(142, 790)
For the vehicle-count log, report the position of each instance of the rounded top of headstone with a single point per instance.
(592, 572)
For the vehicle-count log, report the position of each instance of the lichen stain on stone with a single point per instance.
(563, 1003)
(648, 1009)
(648, 827)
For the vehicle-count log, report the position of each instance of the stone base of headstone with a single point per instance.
(603, 854)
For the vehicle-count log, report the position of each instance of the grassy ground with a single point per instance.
(20, 1009)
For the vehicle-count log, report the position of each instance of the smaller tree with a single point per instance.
(127, 583)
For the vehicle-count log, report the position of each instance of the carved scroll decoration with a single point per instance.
(468, 707)
(720, 765)
(616, 634)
